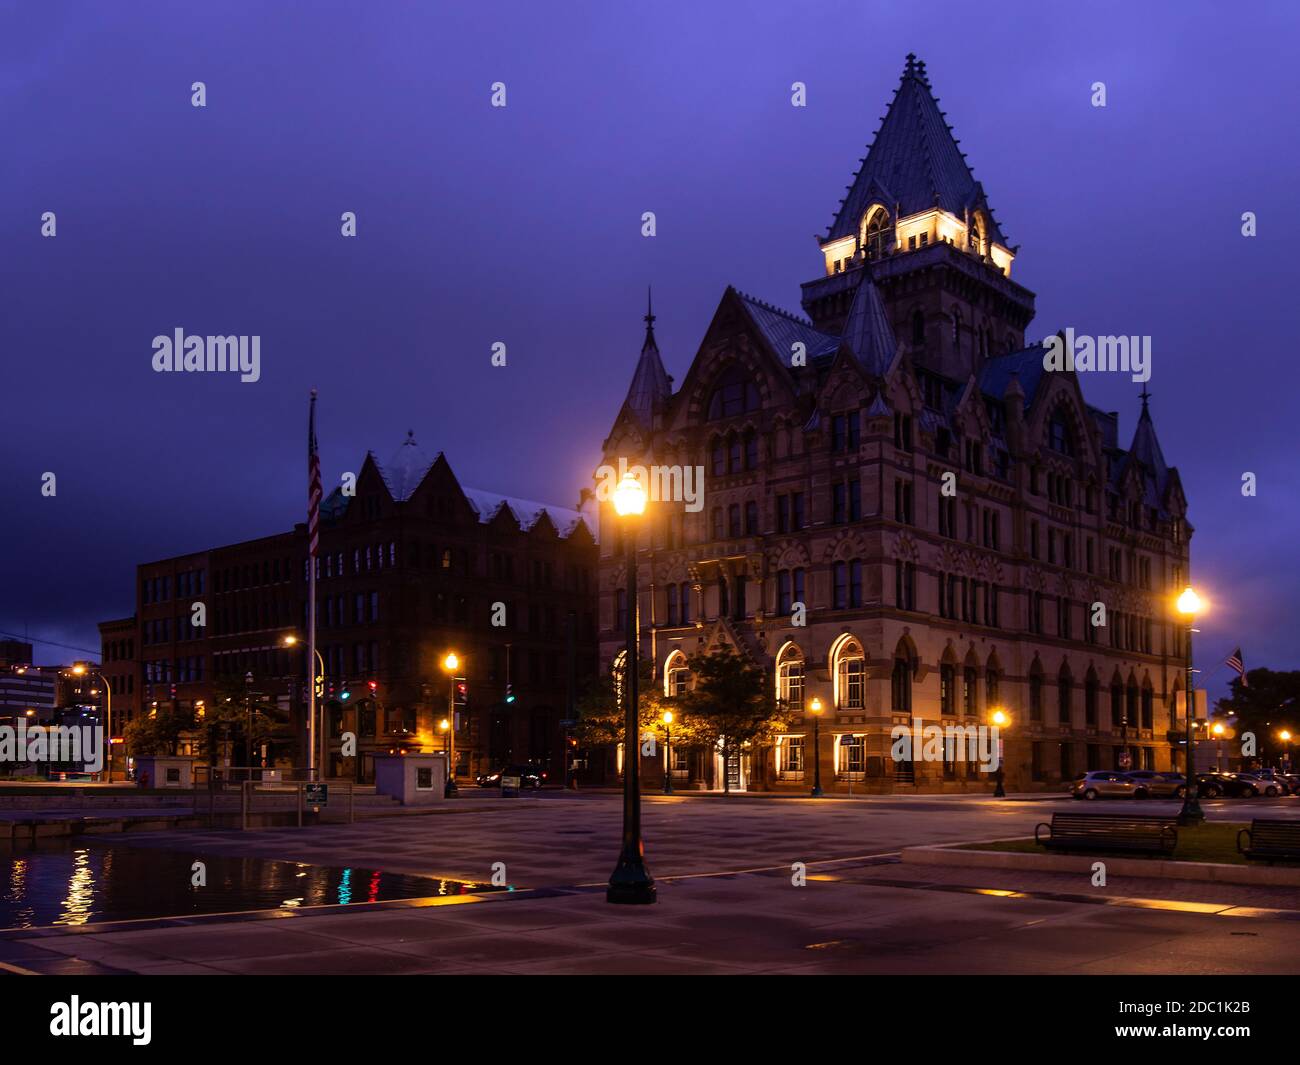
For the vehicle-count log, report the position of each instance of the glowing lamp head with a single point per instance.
(79, 669)
(1000, 718)
(444, 724)
(668, 717)
(629, 497)
(1189, 603)
(1286, 735)
(1218, 728)
(816, 705)
(289, 641)
(451, 662)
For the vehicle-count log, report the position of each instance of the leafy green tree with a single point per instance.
(732, 704)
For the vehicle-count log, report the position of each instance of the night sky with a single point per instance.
(522, 225)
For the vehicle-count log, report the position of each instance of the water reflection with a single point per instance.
(63, 883)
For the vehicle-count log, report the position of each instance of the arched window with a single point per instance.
(970, 690)
(992, 686)
(718, 457)
(1090, 695)
(1148, 706)
(975, 235)
(1133, 703)
(850, 671)
(751, 449)
(677, 676)
(901, 680)
(733, 453)
(918, 328)
(733, 394)
(790, 676)
(877, 233)
(1116, 703)
(1064, 692)
(1036, 692)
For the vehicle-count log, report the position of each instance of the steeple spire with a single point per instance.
(650, 386)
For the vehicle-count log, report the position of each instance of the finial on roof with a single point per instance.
(410, 436)
(649, 306)
(911, 63)
(1145, 396)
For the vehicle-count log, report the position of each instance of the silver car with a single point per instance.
(1104, 784)
(1153, 785)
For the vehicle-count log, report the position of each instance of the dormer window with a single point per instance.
(877, 233)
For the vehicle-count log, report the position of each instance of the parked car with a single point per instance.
(1233, 785)
(1154, 785)
(1256, 783)
(530, 776)
(1272, 779)
(1103, 784)
(1292, 782)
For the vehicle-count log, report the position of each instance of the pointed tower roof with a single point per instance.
(650, 386)
(867, 331)
(913, 163)
(1146, 448)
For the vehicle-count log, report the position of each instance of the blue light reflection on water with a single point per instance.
(74, 883)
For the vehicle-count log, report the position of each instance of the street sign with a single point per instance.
(1125, 760)
(316, 794)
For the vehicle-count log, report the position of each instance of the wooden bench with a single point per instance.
(1271, 841)
(1106, 832)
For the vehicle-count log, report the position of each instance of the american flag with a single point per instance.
(1235, 662)
(313, 482)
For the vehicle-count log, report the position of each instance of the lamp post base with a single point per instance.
(817, 792)
(999, 792)
(631, 883)
(1191, 814)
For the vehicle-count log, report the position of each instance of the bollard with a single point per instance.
(300, 790)
(243, 805)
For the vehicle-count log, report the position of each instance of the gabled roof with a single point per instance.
(783, 330)
(913, 162)
(867, 331)
(650, 386)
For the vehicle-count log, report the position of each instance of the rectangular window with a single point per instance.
(840, 573)
(783, 513)
(796, 511)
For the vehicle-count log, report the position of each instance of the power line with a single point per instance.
(27, 638)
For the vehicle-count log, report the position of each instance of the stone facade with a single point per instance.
(961, 528)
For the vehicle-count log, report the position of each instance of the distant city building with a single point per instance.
(828, 443)
(410, 567)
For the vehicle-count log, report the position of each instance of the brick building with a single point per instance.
(829, 441)
(411, 566)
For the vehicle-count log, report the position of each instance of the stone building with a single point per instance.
(963, 532)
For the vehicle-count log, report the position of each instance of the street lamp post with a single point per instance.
(108, 713)
(450, 664)
(317, 688)
(631, 882)
(248, 723)
(1000, 721)
(1285, 737)
(668, 752)
(1189, 605)
(815, 708)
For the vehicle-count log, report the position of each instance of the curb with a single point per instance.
(1154, 869)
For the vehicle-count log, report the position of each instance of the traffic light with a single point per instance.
(510, 692)
(460, 693)
(374, 686)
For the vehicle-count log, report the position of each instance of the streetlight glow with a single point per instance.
(629, 496)
(815, 706)
(1000, 718)
(668, 720)
(1189, 602)
(451, 662)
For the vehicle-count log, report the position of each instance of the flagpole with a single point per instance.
(313, 517)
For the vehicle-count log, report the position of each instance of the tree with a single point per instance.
(733, 704)
(1269, 703)
(155, 733)
(236, 712)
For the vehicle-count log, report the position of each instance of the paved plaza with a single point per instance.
(726, 900)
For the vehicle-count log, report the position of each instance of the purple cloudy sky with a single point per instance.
(522, 225)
